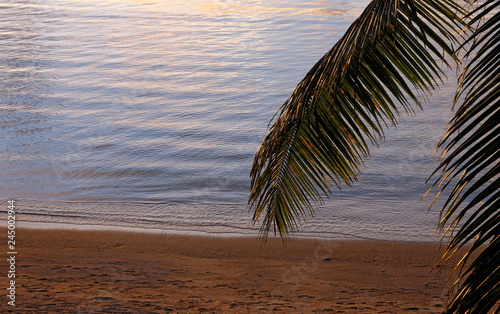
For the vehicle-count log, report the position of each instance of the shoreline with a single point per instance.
(114, 271)
(38, 225)
(209, 220)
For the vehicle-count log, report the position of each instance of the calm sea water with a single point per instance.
(147, 114)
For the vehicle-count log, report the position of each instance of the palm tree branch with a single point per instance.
(384, 63)
(470, 169)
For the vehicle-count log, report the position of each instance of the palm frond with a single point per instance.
(323, 131)
(470, 169)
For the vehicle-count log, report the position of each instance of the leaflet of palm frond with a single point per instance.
(322, 132)
(470, 170)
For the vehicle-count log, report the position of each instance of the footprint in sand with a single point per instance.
(104, 298)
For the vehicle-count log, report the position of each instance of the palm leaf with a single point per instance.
(323, 131)
(470, 169)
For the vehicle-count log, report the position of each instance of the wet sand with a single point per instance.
(116, 272)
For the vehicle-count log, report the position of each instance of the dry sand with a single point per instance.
(61, 271)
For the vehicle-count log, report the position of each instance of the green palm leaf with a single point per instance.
(470, 169)
(322, 134)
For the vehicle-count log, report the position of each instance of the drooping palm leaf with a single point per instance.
(470, 168)
(320, 138)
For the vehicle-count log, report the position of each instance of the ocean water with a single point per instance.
(147, 114)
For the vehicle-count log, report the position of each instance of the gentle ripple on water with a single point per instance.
(163, 103)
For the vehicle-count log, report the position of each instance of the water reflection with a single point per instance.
(167, 101)
(25, 99)
(276, 10)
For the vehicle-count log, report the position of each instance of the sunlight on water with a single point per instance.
(164, 103)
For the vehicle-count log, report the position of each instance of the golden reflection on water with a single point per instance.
(250, 8)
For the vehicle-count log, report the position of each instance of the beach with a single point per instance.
(69, 271)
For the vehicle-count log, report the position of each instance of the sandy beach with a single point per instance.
(116, 272)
